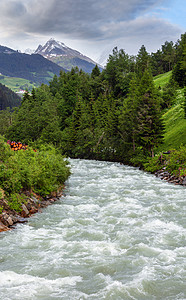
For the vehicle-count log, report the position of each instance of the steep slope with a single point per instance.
(33, 67)
(175, 123)
(64, 56)
(6, 50)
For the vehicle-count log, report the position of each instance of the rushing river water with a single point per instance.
(117, 234)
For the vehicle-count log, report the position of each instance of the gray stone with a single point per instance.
(25, 209)
(184, 181)
(10, 221)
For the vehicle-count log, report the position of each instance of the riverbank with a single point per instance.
(33, 204)
(165, 175)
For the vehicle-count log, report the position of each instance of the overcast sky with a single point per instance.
(93, 27)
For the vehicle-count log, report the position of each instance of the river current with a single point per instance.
(119, 233)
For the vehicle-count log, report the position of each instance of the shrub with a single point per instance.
(174, 162)
(43, 171)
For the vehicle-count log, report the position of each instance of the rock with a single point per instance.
(6, 219)
(184, 181)
(10, 221)
(3, 227)
(25, 211)
(33, 199)
(21, 220)
(33, 210)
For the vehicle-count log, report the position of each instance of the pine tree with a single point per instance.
(150, 125)
(142, 61)
(128, 116)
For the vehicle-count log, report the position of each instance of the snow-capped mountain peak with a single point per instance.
(64, 56)
(55, 48)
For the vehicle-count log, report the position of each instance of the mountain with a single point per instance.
(6, 50)
(34, 67)
(64, 56)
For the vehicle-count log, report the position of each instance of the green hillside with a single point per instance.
(15, 83)
(162, 79)
(175, 123)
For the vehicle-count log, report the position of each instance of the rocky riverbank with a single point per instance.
(165, 175)
(33, 204)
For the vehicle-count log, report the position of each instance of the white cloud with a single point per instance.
(92, 24)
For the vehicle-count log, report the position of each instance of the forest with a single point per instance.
(113, 115)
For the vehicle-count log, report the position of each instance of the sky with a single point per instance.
(93, 27)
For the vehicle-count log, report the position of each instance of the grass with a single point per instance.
(162, 79)
(15, 83)
(175, 124)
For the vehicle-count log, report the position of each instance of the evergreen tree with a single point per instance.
(118, 72)
(184, 103)
(168, 54)
(142, 61)
(150, 125)
(128, 117)
(95, 72)
(179, 71)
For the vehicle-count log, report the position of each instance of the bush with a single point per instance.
(42, 172)
(174, 162)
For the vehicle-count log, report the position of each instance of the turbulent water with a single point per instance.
(117, 234)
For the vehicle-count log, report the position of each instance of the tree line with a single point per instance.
(115, 114)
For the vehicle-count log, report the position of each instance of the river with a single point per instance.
(119, 233)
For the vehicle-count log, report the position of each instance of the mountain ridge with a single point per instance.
(57, 48)
(65, 56)
(32, 67)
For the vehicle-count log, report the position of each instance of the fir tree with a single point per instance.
(150, 125)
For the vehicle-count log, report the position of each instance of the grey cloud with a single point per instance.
(12, 9)
(76, 18)
(96, 24)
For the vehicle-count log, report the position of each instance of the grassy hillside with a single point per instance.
(33, 67)
(15, 83)
(162, 79)
(175, 124)
(71, 62)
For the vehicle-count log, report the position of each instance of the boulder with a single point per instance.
(184, 181)
(3, 227)
(25, 211)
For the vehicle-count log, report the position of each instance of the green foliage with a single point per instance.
(184, 102)
(36, 118)
(169, 94)
(174, 162)
(162, 79)
(15, 201)
(142, 61)
(15, 84)
(179, 71)
(5, 120)
(8, 98)
(175, 127)
(117, 72)
(112, 115)
(43, 171)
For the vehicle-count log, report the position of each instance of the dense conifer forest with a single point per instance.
(112, 115)
(8, 98)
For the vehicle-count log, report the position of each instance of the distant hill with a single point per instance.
(8, 98)
(34, 68)
(66, 57)
(6, 50)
